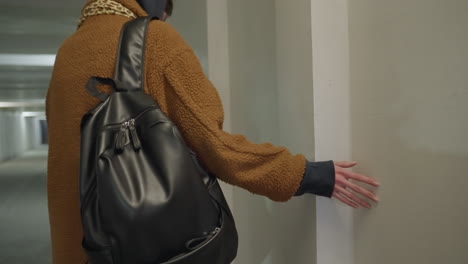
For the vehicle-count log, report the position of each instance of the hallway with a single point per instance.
(24, 226)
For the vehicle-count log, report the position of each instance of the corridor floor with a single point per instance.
(24, 223)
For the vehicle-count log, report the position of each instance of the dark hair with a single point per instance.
(169, 7)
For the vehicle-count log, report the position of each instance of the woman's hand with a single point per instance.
(346, 191)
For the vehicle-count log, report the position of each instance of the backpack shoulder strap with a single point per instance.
(130, 60)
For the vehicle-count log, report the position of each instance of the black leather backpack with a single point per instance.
(144, 197)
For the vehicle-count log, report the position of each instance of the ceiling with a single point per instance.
(32, 27)
(38, 27)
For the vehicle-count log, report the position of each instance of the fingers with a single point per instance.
(351, 196)
(362, 178)
(345, 164)
(358, 177)
(344, 200)
(344, 195)
(360, 190)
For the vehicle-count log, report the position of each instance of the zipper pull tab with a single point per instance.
(121, 137)
(198, 241)
(216, 231)
(134, 135)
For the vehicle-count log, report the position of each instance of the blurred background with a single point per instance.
(30, 34)
(381, 82)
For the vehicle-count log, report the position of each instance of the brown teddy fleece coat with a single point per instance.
(175, 79)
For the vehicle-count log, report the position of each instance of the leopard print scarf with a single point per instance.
(105, 7)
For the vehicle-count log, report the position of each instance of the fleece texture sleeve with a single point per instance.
(196, 108)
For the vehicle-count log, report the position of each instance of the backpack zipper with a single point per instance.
(200, 241)
(121, 138)
(209, 238)
(134, 135)
(128, 127)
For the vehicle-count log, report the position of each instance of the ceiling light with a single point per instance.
(33, 114)
(27, 60)
(15, 104)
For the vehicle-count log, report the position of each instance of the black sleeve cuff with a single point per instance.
(319, 179)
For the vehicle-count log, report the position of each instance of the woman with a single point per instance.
(175, 79)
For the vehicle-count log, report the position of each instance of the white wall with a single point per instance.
(190, 20)
(389, 90)
(33, 132)
(265, 83)
(271, 100)
(330, 44)
(409, 94)
(13, 138)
